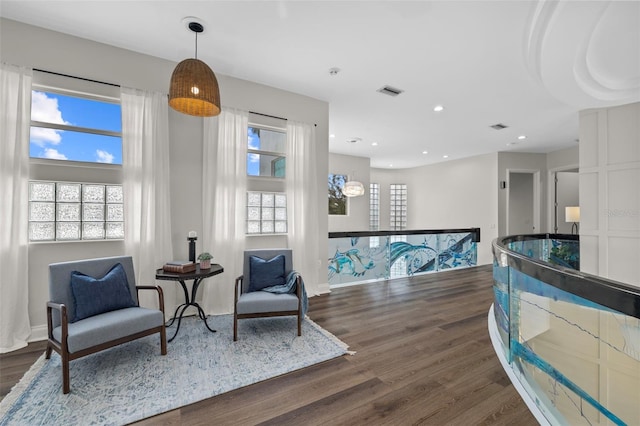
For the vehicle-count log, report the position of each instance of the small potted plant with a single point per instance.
(205, 260)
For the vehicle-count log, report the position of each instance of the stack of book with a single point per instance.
(179, 266)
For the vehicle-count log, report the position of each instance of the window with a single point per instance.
(266, 148)
(374, 206)
(266, 212)
(64, 127)
(69, 211)
(337, 200)
(398, 206)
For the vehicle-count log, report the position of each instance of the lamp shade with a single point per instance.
(194, 89)
(353, 188)
(572, 214)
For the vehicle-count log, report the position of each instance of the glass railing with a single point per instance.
(356, 257)
(569, 341)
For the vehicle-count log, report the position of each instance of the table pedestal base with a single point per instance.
(183, 307)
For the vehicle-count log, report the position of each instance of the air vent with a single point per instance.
(391, 91)
(498, 126)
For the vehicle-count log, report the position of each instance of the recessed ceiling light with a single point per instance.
(374, 143)
(511, 143)
(354, 140)
(438, 108)
(390, 165)
(522, 137)
(425, 152)
(332, 135)
(445, 156)
(334, 71)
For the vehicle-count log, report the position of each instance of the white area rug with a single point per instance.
(133, 381)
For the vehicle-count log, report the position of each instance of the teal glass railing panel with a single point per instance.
(572, 340)
(355, 259)
(362, 257)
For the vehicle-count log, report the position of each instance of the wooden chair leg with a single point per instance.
(49, 350)
(163, 341)
(299, 325)
(66, 386)
(235, 327)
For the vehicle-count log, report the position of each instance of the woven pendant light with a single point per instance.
(194, 88)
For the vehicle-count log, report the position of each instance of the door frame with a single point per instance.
(536, 197)
(551, 194)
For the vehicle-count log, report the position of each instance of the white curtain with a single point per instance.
(145, 165)
(223, 203)
(302, 202)
(15, 110)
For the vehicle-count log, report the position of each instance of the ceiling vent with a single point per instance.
(391, 91)
(498, 126)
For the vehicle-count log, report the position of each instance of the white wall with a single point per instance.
(357, 218)
(610, 193)
(38, 48)
(454, 194)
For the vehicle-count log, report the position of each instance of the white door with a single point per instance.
(521, 204)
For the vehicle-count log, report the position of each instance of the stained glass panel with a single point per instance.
(281, 200)
(281, 214)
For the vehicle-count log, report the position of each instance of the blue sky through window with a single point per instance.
(56, 144)
(253, 160)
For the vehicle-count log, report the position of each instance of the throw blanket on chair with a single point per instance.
(290, 287)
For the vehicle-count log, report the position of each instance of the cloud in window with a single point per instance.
(45, 109)
(54, 154)
(254, 158)
(104, 157)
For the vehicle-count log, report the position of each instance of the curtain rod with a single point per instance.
(273, 116)
(117, 85)
(77, 78)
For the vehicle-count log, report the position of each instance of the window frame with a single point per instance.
(72, 171)
(278, 155)
(78, 88)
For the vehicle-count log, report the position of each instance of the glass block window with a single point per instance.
(374, 206)
(266, 213)
(65, 211)
(398, 206)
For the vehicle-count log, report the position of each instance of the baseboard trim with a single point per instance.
(38, 333)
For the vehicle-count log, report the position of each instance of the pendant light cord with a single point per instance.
(196, 44)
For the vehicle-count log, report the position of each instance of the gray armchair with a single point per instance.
(262, 269)
(94, 306)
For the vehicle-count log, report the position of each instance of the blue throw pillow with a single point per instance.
(266, 273)
(95, 296)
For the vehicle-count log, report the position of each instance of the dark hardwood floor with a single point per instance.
(423, 357)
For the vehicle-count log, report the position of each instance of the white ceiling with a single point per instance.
(531, 65)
